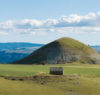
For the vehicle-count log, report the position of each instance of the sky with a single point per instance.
(42, 21)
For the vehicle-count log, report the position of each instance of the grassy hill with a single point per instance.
(64, 50)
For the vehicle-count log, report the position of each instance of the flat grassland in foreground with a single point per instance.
(30, 70)
(85, 80)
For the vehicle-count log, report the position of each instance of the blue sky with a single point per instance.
(42, 21)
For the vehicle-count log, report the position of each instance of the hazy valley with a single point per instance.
(14, 51)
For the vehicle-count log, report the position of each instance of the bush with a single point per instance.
(3, 63)
(43, 62)
(83, 62)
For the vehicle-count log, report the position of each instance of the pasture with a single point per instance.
(84, 80)
(69, 69)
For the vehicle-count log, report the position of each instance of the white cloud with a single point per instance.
(3, 33)
(66, 24)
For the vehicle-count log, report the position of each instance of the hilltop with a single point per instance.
(63, 50)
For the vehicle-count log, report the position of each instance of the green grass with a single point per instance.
(75, 46)
(86, 80)
(29, 70)
(8, 87)
(66, 86)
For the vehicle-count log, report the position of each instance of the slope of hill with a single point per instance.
(64, 50)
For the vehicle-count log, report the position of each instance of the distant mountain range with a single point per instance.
(96, 47)
(17, 45)
(14, 51)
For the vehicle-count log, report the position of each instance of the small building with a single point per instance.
(56, 70)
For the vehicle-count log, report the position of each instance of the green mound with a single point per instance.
(75, 46)
(64, 50)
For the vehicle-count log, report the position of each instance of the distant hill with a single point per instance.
(64, 50)
(15, 51)
(9, 57)
(17, 45)
(96, 47)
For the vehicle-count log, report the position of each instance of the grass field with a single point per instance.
(86, 80)
(29, 70)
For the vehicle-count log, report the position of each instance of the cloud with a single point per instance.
(66, 24)
(3, 33)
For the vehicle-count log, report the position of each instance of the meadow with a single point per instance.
(83, 79)
(69, 69)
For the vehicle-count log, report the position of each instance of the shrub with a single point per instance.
(3, 63)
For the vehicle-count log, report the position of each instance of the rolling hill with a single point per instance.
(64, 50)
(96, 47)
(17, 45)
(17, 50)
